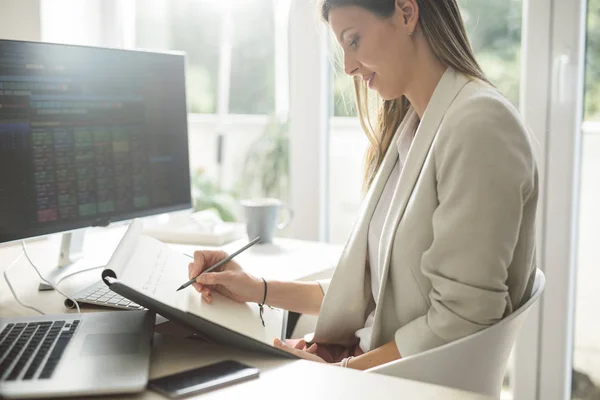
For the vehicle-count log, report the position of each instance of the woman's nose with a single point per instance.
(350, 65)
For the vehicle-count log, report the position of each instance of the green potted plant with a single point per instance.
(206, 195)
(265, 171)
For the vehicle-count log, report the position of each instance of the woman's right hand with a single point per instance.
(229, 280)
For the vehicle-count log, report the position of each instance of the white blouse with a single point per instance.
(376, 227)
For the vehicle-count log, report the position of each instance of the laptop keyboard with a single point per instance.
(32, 350)
(99, 294)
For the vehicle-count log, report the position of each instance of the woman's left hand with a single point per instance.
(308, 354)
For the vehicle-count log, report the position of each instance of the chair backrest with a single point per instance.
(475, 363)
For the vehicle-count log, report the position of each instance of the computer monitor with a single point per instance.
(89, 136)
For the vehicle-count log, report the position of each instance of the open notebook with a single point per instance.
(148, 272)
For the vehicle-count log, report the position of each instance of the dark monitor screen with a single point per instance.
(89, 136)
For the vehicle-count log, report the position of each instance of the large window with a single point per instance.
(234, 53)
(253, 60)
(233, 38)
(344, 104)
(494, 29)
(592, 64)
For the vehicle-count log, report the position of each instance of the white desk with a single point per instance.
(280, 379)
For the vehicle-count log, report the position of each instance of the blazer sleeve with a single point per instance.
(485, 172)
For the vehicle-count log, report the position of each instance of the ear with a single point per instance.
(407, 12)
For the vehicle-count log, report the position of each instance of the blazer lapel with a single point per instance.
(447, 89)
(344, 307)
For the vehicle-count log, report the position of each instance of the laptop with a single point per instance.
(75, 354)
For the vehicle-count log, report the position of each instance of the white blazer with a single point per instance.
(458, 246)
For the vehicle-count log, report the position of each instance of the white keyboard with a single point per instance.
(100, 295)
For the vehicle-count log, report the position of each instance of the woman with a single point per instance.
(444, 241)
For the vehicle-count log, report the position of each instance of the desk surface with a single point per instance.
(285, 260)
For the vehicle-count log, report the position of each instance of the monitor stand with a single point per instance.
(70, 261)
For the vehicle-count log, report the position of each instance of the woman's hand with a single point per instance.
(230, 279)
(300, 350)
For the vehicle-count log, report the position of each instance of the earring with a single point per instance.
(410, 33)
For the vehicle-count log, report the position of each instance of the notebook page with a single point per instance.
(119, 259)
(157, 270)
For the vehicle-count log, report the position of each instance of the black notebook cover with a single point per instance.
(207, 329)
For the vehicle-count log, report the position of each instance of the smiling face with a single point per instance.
(378, 50)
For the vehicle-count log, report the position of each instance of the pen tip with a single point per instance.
(180, 287)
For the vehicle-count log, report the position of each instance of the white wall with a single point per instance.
(20, 20)
(309, 113)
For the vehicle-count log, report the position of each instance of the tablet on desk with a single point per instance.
(203, 379)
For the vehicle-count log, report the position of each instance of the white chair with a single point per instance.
(475, 363)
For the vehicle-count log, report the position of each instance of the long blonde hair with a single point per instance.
(443, 27)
